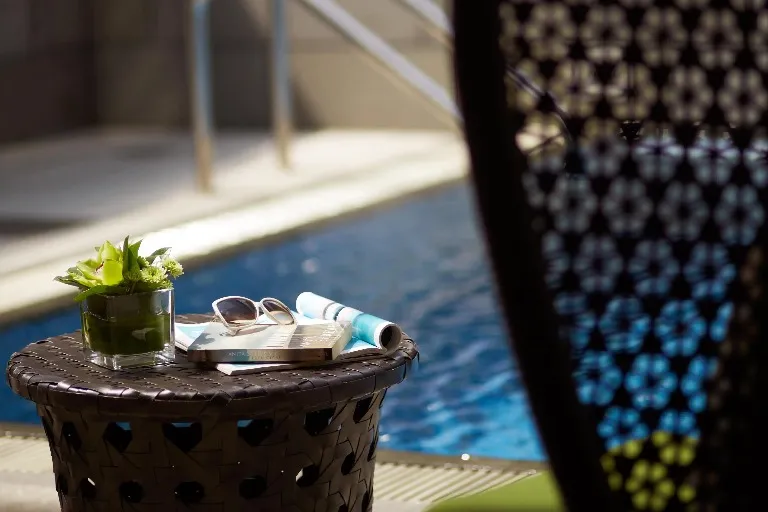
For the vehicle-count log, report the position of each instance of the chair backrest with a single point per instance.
(619, 162)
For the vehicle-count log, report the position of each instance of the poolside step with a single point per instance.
(26, 480)
(422, 485)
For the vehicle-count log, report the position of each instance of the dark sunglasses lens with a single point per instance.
(273, 306)
(237, 310)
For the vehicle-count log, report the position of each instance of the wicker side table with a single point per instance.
(183, 438)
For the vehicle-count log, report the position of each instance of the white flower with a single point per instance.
(683, 211)
(598, 263)
(717, 38)
(658, 157)
(743, 99)
(661, 36)
(575, 87)
(653, 267)
(739, 214)
(549, 31)
(605, 33)
(756, 160)
(637, 92)
(604, 156)
(556, 258)
(687, 95)
(626, 207)
(540, 177)
(709, 272)
(758, 40)
(712, 159)
(572, 204)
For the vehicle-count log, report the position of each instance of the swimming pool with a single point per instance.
(420, 263)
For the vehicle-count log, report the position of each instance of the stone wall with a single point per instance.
(125, 62)
(141, 62)
(142, 65)
(46, 67)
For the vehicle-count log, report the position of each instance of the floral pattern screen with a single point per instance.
(643, 128)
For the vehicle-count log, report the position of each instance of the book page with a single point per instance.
(356, 346)
(187, 333)
(242, 368)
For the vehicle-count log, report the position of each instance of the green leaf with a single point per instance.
(69, 281)
(102, 289)
(134, 250)
(86, 271)
(91, 291)
(144, 286)
(112, 272)
(84, 281)
(109, 252)
(157, 254)
(135, 247)
(90, 263)
(119, 270)
(130, 260)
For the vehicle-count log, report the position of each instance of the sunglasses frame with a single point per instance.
(258, 306)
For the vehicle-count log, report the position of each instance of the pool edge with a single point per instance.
(384, 456)
(456, 461)
(14, 429)
(62, 300)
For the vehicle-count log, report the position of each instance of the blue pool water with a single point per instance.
(421, 264)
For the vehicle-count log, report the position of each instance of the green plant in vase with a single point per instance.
(126, 304)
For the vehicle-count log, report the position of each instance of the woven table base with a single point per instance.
(183, 437)
(308, 461)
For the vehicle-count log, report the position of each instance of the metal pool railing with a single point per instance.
(385, 55)
(202, 102)
(382, 54)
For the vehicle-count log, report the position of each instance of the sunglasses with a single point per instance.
(238, 313)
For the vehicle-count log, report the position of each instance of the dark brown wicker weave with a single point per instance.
(185, 438)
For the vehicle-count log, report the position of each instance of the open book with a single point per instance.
(356, 348)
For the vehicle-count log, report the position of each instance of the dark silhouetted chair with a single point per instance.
(624, 211)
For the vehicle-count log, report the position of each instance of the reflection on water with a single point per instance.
(420, 264)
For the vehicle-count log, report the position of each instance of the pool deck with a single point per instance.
(60, 198)
(405, 482)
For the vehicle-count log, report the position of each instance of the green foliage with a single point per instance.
(122, 271)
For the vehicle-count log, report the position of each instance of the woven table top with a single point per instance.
(53, 372)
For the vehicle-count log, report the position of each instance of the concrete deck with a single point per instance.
(60, 198)
(408, 483)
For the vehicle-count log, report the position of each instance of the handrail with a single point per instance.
(393, 62)
(398, 66)
(438, 24)
(282, 107)
(201, 94)
(202, 104)
(434, 19)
